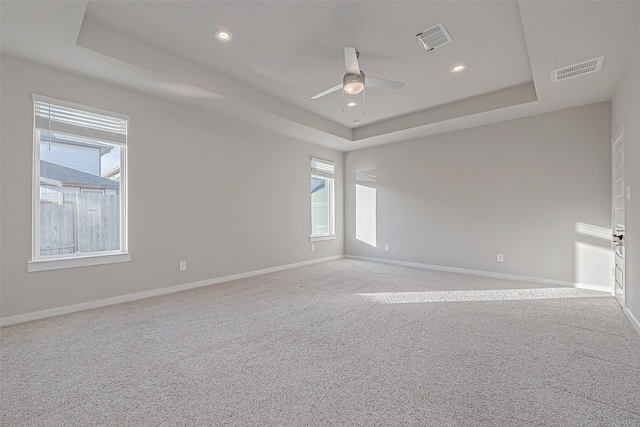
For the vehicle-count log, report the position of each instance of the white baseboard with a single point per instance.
(58, 311)
(634, 322)
(485, 274)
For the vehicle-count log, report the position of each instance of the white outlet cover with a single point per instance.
(500, 257)
(386, 247)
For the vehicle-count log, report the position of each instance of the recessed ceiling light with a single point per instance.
(351, 104)
(222, 35)
(458, 68)
(356, 121)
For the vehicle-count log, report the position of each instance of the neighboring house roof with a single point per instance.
(317, 184)
(75, 140)
(52, 174)
(113, 172)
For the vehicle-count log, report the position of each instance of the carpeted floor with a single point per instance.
(344, 343)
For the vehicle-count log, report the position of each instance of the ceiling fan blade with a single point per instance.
(382, 83)
(328, 91)
(351, 61)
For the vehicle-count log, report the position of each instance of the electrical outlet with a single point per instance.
(183, 265)
(313, 248)
(500, 257)
(386, 247)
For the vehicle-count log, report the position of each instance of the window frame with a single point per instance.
(79, 259)
(327, 172)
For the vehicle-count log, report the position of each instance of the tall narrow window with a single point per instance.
(322, 200)
(79, 180)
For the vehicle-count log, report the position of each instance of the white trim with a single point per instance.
(319, 238)
(634, 322)
(77, 261)
(35, 195)
(42, 263)
(124, 197)
(618, 137)
(586, 286)
(27, 317)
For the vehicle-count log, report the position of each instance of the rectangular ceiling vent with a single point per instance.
(575, 70)
(433, 37)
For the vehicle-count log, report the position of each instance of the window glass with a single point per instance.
(322, 198)
(320, 205)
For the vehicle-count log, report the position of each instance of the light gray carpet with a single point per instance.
(345, 343)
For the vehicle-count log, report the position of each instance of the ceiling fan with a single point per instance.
(354, 80)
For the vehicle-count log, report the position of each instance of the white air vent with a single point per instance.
(575, 70)
(434, 37)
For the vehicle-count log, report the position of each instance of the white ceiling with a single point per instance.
(282, 53)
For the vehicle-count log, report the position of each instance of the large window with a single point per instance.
(79, 180)
(322, 200)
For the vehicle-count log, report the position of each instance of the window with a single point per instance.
(322, 200)
(79, 186)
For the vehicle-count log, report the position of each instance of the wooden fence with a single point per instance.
(79, 222)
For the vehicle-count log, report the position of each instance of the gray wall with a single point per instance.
(522, 188)
(626, 111)
(227, 198)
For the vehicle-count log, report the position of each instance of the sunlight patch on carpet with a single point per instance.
(481, 295)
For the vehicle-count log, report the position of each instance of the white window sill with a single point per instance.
(324, 237)
(79, 261)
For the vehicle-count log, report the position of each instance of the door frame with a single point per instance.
(618, 145)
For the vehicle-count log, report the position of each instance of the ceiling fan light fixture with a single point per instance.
(353, 84)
